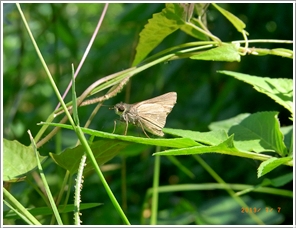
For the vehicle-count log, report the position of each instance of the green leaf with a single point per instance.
(176, 11)
(227, 124)
(279, 89)
(225, 52)
(288, 137)
(259, 132)
(226, 147)
(18, 160)
(176, 143)
(210, 138)
(103, 150)
(237, 23)
(158, 28)
(272, 163)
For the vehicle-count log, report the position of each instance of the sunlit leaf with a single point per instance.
(18, 160)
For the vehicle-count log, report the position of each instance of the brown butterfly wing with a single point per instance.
(167, 100)
(153, 112)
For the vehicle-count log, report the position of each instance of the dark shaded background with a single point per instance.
(63, 31)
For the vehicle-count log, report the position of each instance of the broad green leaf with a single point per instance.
(237, 23)
(225, 147)
(210, 138)
(226, 52)
(288, 138)
(259, 132)
(176, 143)
(103, 150)
(271, 164)
(158, 28)
(279, 89)
(18, 160)
(227, 124)
(177, 11)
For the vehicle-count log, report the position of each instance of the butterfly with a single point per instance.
(150, 114)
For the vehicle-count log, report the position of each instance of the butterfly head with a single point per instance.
(119, 108)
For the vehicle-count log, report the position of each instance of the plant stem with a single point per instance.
(154, 207)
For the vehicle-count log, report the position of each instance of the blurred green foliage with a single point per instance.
(63, 31)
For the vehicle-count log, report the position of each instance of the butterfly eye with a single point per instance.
(120, 108)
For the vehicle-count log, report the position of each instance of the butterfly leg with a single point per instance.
(126, 126)
(145, 133)
(143, 129)
(114, 127)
